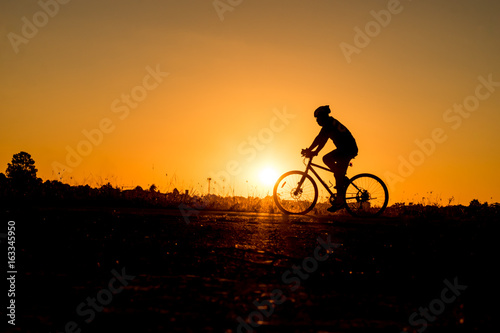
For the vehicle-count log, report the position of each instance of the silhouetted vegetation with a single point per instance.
(20, 187)
(20, 176)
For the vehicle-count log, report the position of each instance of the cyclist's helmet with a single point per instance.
(322, 111)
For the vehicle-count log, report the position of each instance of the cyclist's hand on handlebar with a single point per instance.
(308, 153)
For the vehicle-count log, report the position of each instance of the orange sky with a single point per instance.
(174, 92)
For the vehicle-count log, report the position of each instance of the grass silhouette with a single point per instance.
(57, 193)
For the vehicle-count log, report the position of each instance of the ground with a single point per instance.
(157, 270)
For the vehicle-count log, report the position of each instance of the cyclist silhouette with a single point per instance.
(338, 159)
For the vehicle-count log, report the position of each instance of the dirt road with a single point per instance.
(130, 270)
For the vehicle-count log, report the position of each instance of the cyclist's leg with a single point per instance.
(330, 159)
(340, 178)
(346, 159)
(338, 162)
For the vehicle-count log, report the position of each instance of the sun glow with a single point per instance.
(268, 176)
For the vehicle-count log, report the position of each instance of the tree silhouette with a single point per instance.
(22, 170)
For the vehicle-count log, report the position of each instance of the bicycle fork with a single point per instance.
(302, 179)
(298, 189)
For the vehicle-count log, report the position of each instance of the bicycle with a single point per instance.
(296, 192)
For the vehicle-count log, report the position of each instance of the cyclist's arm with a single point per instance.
(319, 142)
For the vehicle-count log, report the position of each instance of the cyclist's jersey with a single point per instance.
(340, 135)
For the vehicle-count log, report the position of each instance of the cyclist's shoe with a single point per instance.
(335, 207)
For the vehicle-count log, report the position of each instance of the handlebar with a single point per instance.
(308, 153)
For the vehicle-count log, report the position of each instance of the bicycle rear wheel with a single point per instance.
(366, 196)
(295, 192)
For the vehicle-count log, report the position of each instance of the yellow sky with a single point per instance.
(172, 92)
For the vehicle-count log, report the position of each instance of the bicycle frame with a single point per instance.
(309, 167)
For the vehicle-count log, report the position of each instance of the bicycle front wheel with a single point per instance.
(295, 192)
(366, 195)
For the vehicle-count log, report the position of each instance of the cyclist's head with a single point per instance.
(322, 111)
(321, 115)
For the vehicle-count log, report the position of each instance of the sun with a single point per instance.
(268, 176)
